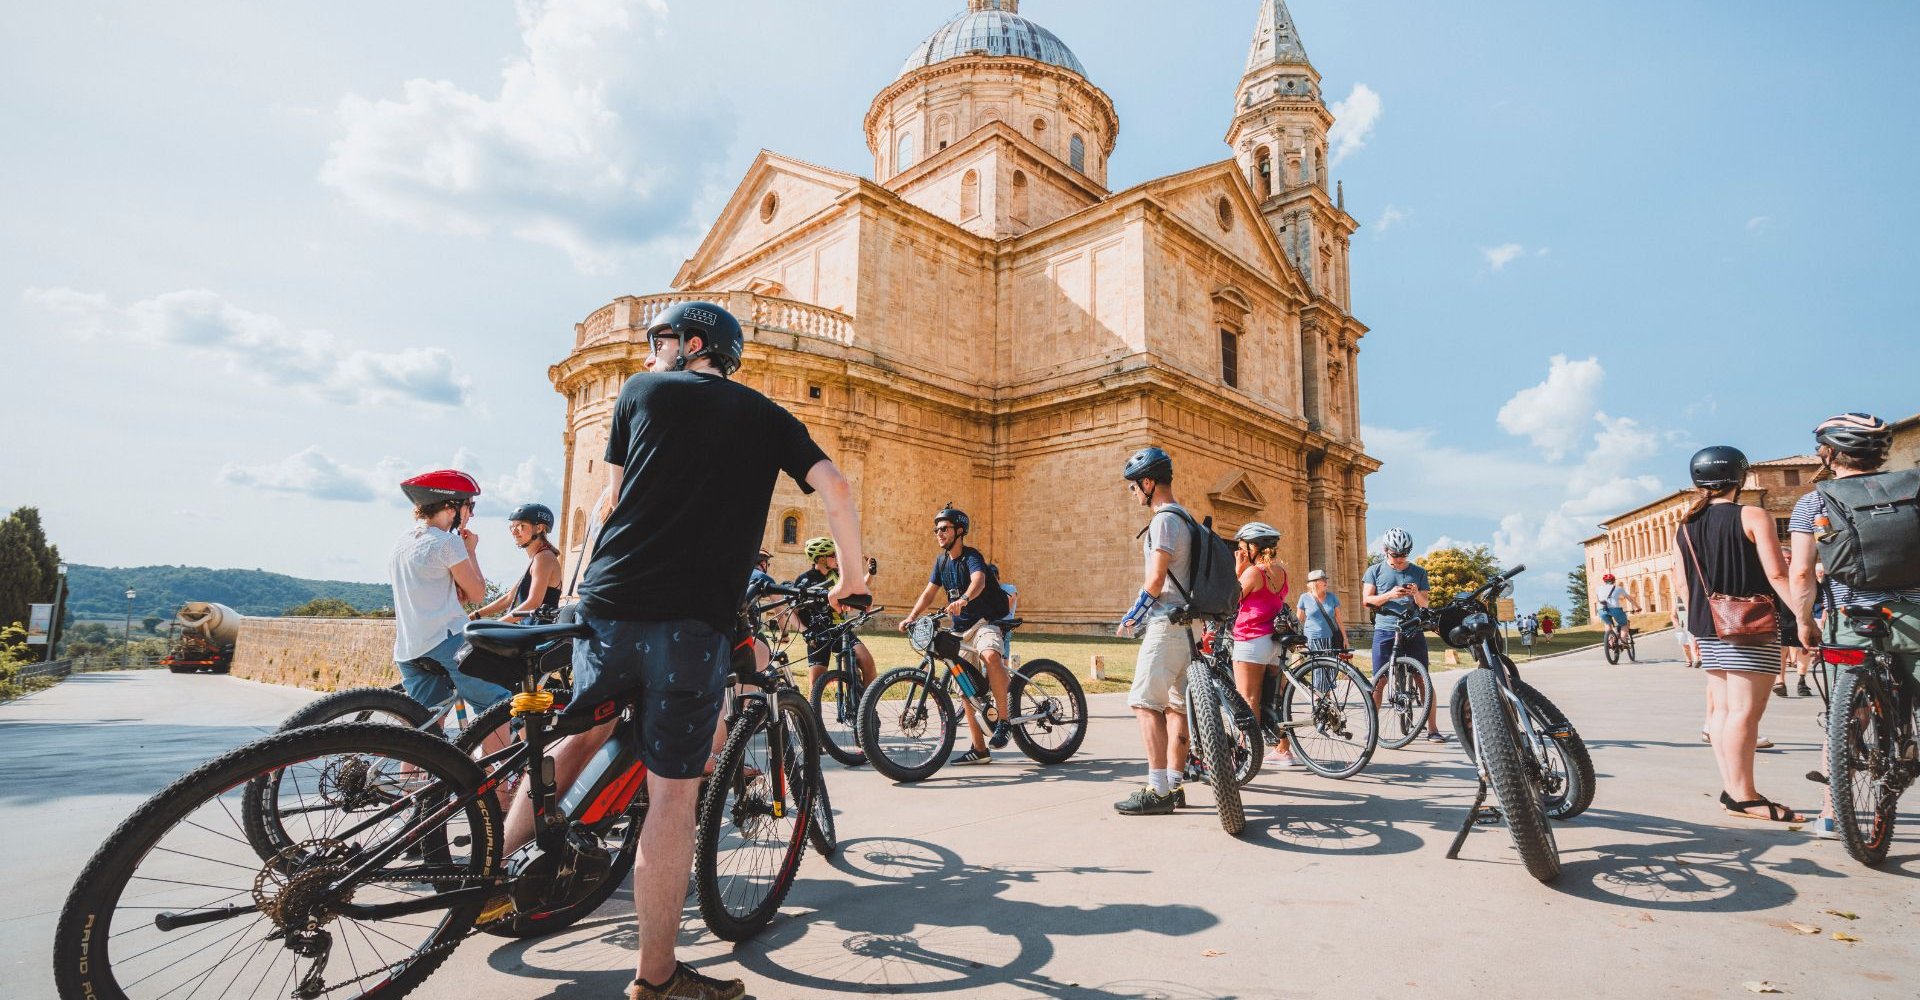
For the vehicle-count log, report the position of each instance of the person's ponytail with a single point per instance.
(1704, 499)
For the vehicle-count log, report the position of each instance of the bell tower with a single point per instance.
(1279, 138)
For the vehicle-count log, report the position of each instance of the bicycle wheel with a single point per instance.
(1046, 689)
(1246, 745)
(1509, 769)
(1327, 712)
(1860, 768)
(836, 715)
(1405, 703)
(821, 831)
(1211, 746)
(1569, 776)
(174, 900)
(1633, 655)
(1613, 647)
(753, 821)
(907, 725)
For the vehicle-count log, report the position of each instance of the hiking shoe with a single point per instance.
(1145, 802)
(973, 756)
(1802, 689)
(1436, 737)
(1780, 690)
(1179, 795)
(1002, 732)
(687, 984)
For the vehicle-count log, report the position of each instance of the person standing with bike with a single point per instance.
(695, 456)
(537, 595)
(1263, 597)
(1725, 553)
(1395, 588)
(1165, 650)
(433, 570)
(976, 604)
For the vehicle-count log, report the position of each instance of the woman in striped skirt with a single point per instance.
(1722, 547)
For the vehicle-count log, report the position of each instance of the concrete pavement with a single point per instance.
(1019, 881)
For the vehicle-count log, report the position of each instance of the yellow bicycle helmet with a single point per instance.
(820, 548)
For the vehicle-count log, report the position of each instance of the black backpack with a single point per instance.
(1215, 586)
(1871, 540)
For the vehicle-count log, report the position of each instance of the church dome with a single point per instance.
(993, 28)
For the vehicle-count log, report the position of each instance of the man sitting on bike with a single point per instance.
(537, 595)
(825, 572)
(977, 604)
(1394, 588)
(695, 457)
(433, 569)
(1611, 598)
(1165, 649)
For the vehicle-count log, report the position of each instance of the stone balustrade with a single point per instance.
(627, 317)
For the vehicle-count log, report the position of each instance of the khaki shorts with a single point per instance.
(983, 637)
(1160, 674)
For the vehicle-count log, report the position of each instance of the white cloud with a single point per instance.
(596, 142)
(262, 347)
(310, 473)
(315, 474)
(1389, 218)
(1499, 257)
(1759, 224)
(1555, 414)
(1353, 121)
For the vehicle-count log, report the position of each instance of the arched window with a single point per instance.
(970, 195)
(579, 534)
(1263, 173)
(790, 530)
(1019, 197)
(1320, 166)
(1077, 154)
(903, 155)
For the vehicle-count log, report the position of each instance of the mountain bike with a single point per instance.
(1504, 734)
(1620, 642)
(908, 722)
(1406, 694)
(1209, 708)
(1567, 779)
(1326, 709)
(835, 701)
(1872, 751)
(1243, 735)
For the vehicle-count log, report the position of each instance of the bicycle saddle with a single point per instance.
(518, 640)
(1009, 624)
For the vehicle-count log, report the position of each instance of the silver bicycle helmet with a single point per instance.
(1396, 542)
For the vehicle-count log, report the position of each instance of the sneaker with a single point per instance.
(1146, 802)
(1763, 744)
(1780, 690)
(1179, 795)
(1280, 759)
(1823, 829)
(1802, 689)
(973, 756)
(1002, 732)
(687, 984)
(1436, 737)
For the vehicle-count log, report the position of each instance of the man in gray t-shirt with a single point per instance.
(1170, 533)
(1165, 649)
(1394, 588)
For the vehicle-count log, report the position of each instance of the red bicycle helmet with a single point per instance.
(439, 486)
(1607, 579)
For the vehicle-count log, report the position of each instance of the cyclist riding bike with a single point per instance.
(1610, 610)
(537, 596)
(977, 605)
(433, 570)
(1395, 588)
(1157, 698)
(825, 572)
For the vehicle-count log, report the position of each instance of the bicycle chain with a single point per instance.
(447, 945)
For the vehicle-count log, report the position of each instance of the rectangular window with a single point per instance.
(1230, 358)
(1793, 477)
(1780, 529)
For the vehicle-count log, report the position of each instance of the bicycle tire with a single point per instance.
(1343, 755)
(748, 797)
(838, 728)
(875, 702)
(83, 966)
(1027, 692)
(1856, 735)
(1503, 760)
(1210, 738)
(1612, 645)
(1580, 779)
(822, 832)
(262, 825)
(1410, 717)
(1246, 747)
(1633, 654)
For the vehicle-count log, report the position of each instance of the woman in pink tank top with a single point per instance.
(1263, 596)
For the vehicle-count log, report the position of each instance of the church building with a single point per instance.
(985, 323)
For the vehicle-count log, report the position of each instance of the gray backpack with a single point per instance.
(1871, 540)
(1215, 587)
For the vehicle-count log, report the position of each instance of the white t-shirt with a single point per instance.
(1615, 595)
(426, 605)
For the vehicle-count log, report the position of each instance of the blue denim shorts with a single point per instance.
(674, 673)
(433, 678)
(1414, 646)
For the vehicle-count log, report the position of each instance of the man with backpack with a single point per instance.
(1161, 667)
(971, 589)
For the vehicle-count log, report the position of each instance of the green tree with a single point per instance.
(1580, 610)
(1549, 612)
(324, 607)
(1455, 571)
(28, 565)
(151, 623)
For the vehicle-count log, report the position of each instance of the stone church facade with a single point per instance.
(985, 323)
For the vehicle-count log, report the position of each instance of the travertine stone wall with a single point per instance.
(325, 654)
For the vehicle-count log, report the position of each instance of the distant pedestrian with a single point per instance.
(1728, 550)
(1688, 648)
(1320, 613)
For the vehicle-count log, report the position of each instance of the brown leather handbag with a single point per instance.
(1740, 621)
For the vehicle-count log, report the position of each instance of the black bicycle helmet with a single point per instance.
(721, 340)
(1720, 467)
(1149, 463)
(1856, 435)
(533, 513)
(955, 516)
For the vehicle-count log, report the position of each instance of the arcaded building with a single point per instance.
(984, 322)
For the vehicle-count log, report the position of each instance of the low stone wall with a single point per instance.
(325, 654)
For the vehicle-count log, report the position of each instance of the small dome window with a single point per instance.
(903, 154)
(1077, 154)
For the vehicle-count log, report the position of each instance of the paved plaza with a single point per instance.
(1017, 881)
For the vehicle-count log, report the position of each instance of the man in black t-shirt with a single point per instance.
(977, 604)
(825, 572)
(694, 457)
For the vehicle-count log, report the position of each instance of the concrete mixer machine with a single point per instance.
(201, 637)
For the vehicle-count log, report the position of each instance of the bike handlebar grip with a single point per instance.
(1516, 571)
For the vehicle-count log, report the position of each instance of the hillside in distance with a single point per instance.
(101, 591)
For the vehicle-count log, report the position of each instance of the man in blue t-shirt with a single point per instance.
(1394, 588)
(977, 604)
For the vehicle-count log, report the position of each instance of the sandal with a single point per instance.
(1776, 813)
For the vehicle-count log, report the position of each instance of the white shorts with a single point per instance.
(1160, 673)
(983, 636)
(1264, 650)
(1683, 637)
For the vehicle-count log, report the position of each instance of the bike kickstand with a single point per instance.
(1479, 813)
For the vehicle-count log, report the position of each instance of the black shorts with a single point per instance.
(820, 654)
(674, 672)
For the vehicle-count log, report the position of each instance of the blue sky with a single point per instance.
(260, 258)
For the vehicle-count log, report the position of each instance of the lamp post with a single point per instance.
(130, 596)
(59, 591)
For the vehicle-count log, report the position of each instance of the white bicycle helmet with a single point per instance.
(1396, 542)
(1260, 533)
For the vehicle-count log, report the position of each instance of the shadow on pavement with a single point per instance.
(50, 761)
(1687, 866)
(1000, 774)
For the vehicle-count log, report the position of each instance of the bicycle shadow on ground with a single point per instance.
(1685, 865)
(1335, 821)
(51, 761)
(1002, 773)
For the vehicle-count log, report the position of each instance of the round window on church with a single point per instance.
(1224, 207)
(769, 207)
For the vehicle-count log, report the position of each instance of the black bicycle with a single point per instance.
(1325, 709)
(1567, 779)
(1213, 735)
(908, 722)
(1872, 751)
(835, 702)
(1619, 642)
(1405, 691)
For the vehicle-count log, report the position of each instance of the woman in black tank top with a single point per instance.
(1724, 548)
(529, 525)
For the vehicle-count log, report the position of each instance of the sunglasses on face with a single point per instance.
(658, 344)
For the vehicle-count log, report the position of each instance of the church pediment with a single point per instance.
(777, 195)
(1237, 497)
(1216, 205)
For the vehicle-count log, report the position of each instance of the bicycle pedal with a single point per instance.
(1489, 816)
